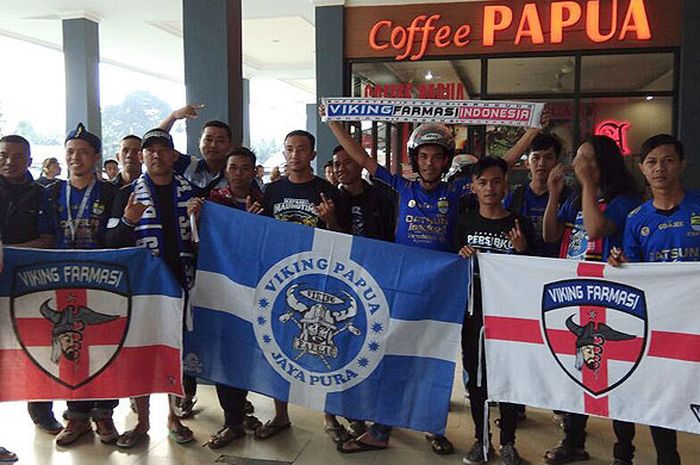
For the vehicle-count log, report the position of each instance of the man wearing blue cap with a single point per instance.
(74, 215)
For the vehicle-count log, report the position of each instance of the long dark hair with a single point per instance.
(615, 178)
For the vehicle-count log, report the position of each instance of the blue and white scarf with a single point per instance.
(149, 229)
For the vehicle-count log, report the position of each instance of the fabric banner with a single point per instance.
(496, 112)
(97, 324)
(622, 343)
(341, 324)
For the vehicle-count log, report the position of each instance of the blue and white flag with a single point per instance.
(340, 324)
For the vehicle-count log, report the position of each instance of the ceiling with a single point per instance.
(146, 36)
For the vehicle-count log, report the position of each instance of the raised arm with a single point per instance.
(190, 111)
(354, 149)
(596, 223)
(552, 229)
(514, 153)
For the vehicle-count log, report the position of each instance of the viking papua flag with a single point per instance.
(88, 325)
(585, 337)
(341, 324)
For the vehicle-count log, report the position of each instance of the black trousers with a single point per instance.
(478, 394)
(95, 409)
(232, 401)
(40, 411)
(189, 385)
(664, 441)
(575, 429)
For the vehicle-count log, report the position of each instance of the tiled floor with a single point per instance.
(304, 444)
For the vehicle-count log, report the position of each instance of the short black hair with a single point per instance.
(329, 164)
(338, 148)
(218, 124)
(545, 142)
(107, 162)
(659, 140)
(132, 136)
(17, 139)
(243, 152)
(489, 162)
(301, 132)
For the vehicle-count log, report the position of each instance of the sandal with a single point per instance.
(270, 429)
(130, 438)
(251, 423)
(185, 407)
(440, 444)
(338, 433)
(564, 453)
(354, 445)
(224, 437)
(181, 434)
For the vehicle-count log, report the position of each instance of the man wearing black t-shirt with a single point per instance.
(300, 197)
(151, 212)
(489, 229)
(372, 210)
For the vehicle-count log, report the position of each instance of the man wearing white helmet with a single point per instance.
(428, 209)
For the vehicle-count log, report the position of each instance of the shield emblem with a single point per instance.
(72, 333)
(596, 330)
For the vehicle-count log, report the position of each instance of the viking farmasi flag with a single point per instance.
(622, 343)
(341, 324)
(88, 325)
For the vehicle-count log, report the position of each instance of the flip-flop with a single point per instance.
(181, 435)
(337, 433)
(224, 437)
(358, 446)
(440, 444)
(270, 429)
(130, 438)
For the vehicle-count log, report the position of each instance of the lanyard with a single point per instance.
(81, 208)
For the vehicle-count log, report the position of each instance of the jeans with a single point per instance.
(664, 440)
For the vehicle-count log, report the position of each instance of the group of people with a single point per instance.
(601, 217)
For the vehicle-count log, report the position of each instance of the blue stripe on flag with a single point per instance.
(53, 267)
(410, 293)
(398, 382)
(247, 235)
(214, 333)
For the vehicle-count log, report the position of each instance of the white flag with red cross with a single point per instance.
(583, 337)
(97, 324)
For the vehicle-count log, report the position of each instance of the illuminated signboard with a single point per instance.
(617, 131)
(411, 33)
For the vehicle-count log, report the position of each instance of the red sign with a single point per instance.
(431, 91)
(617, 131)
(410, 32)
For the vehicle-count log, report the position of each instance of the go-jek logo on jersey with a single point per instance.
(321, 322)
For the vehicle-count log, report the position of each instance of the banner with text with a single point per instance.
(469, 112)
(585, 337)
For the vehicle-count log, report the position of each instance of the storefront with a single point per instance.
(604, 67)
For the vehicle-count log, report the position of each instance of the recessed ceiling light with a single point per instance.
(428, 75)
(650, 98)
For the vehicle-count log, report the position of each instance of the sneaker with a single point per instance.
(510, 456)
(6, 456)
(72, 432)
(106, 431)
(476, 454)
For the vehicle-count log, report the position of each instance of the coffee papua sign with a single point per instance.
(412, 32)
